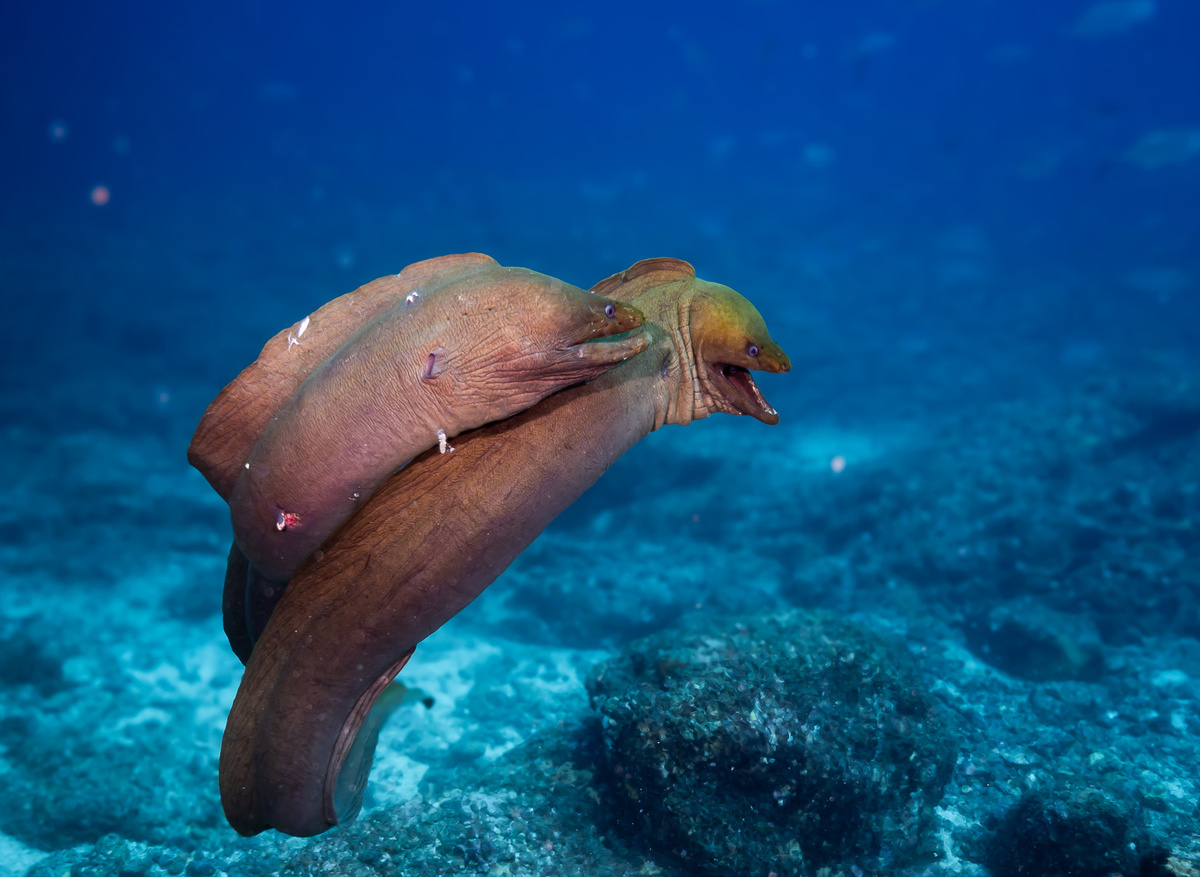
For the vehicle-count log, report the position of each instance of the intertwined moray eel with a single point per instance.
(235, 420)
(298, 744)
(468, 342)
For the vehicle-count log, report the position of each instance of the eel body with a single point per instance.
(247, 602)
(443, 528)
(469, 342)
(235, 420)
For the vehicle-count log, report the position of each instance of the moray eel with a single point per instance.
(235, 420)
(247, 602)
(299, 740)
(466, 345)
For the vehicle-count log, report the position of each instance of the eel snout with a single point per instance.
(601, 335)
(597, 319)
(610, 317)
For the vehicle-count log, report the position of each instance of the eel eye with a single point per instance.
(752, 350)
(610, 311)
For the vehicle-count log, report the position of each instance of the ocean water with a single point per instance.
(943, 618)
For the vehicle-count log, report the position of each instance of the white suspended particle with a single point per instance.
(297, 332)
(412, 297)
(443, 445)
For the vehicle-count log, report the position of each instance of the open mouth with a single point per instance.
(742, 392)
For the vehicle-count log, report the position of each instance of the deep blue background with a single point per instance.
(992, 311)
(940, 171)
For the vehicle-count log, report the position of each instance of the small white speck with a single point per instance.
(412, 297)
(247, 465)
(296, 331)
(443, 445)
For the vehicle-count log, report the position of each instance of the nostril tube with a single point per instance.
(435, 364)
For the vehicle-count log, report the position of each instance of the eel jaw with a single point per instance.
(737, 393)
(612, 349)
(611, 333)
(599, 321)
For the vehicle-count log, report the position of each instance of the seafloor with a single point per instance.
(975, 649)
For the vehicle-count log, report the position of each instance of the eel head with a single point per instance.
(718, 330)
(729, 340)
(576, 334)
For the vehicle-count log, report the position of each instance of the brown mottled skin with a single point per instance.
(236, 419)
(234, 604)
(247, 602)
(475, 343)
(440, 530)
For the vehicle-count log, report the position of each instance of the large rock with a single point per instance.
(780, 744)
(1085, 832)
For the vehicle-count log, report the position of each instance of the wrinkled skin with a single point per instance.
(235, 420)
(469, 342)
(443, 528)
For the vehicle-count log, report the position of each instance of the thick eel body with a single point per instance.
(443, 528)
(474, 343)
(235, 420)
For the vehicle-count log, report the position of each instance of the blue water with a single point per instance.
(974, 226)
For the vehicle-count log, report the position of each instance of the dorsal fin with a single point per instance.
(645, 274)
(419, 273)
(350, 766)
